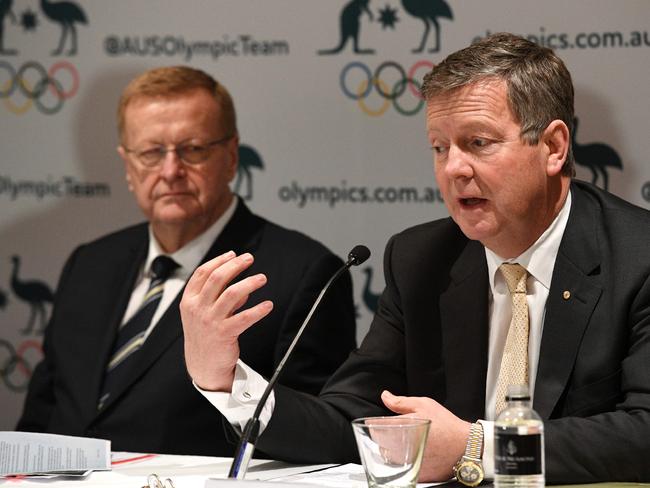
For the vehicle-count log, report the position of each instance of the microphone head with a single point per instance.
(358, 255)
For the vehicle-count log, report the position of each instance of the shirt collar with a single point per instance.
(190, 255)
(539, 258)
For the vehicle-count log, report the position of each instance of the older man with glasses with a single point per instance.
(113, 365)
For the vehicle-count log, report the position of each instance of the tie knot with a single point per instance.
(162, 267)
(515, 276)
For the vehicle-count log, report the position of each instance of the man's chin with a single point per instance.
(175, 216)
(475, 231)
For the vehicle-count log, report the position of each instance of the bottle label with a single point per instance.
(517, 454)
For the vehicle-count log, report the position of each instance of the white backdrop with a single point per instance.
(333, 157)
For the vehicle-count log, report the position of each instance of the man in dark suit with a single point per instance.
(499, 118)
(179, 143)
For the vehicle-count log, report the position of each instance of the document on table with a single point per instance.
(342, 476)
(29, 453)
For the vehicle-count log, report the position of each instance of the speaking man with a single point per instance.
(448, 336)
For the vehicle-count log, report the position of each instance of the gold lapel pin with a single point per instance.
(566, 294)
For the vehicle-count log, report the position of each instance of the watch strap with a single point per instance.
(474, 447)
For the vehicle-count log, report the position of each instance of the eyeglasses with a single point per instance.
(188, 153)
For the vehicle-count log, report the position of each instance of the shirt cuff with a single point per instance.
(488, 448)
(239, 405)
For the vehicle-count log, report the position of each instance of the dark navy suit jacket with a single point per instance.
(430, 338)
(160, 410)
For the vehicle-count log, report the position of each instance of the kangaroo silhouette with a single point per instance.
(35, 293)
(351, 26)
(66, 14)
(5, 10)
(428, 11)
(596, 157)
(370, 299)
(248, 158)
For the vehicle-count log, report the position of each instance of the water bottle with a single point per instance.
(518, 443)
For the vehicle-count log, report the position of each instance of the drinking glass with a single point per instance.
(391, 449)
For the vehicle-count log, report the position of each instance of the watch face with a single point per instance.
(469, 473)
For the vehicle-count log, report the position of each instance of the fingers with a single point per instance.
(399, 404)
(213, 318)
(211, 278)
(210, 307)
(234, 296)
(241, 321)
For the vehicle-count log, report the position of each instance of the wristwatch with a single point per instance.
(469, 468)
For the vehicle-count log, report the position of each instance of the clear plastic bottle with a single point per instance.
(518, 443)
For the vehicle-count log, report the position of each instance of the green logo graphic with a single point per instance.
(428, 11)
(352, 17)
(596, 157)
(36, 294)
(370, 299)
(66, 13)
(249, 159)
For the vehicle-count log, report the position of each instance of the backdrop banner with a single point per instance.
(330, 117)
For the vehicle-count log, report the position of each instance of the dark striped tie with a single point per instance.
(132, 334)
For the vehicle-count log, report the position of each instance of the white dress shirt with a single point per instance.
(188, 257)
(539, 261)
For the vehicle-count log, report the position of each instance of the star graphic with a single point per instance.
(28, 20)
(388, 17)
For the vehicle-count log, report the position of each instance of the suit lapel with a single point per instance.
(124, 270)
(575, 290)
(464, 324)
(240, 235)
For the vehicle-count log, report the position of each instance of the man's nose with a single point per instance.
(458, 163)
(171, 165)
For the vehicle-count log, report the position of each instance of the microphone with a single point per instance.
(246, 445)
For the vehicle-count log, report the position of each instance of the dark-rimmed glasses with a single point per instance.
(188, 153)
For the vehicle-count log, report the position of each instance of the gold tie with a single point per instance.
(514, 363)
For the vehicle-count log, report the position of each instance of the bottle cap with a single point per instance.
(517, 392)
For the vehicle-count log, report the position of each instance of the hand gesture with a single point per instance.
(212, 321)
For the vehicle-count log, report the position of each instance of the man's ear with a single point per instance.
(122, 152)
(556, 139)
(233, 154)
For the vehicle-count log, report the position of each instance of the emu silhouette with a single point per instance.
(5, 10)
(596, 157)
(66, 14)
(370, 299)
(428, 11)
(350, 24)
(34, 293)
(248, 158)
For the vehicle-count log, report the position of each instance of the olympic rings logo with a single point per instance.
(38, 86)
(389, 91)
(15, 369)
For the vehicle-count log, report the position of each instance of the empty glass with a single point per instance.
(391, 449)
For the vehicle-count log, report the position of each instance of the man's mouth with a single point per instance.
(172, 194)
(471, 202)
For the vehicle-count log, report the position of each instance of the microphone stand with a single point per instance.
(247, 442)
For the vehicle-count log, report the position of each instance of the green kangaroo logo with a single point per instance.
(351, 27)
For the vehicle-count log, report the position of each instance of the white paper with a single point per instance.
(35, 453)
(344, 476)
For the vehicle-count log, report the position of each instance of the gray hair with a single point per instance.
(539, 84)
